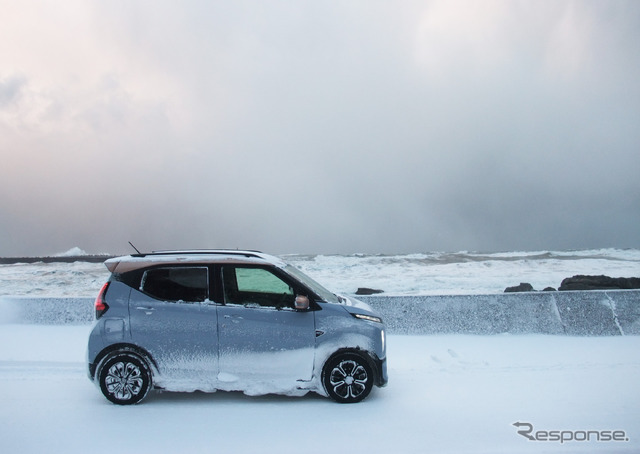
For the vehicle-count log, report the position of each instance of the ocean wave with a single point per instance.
(430, 273)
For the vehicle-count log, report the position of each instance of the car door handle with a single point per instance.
(147, 309)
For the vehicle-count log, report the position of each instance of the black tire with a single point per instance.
(125, 378)
(347, 378)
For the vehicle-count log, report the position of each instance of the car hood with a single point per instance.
(356, 306)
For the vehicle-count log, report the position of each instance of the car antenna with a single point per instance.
(135, 247)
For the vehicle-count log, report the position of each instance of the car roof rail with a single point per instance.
(244, 253)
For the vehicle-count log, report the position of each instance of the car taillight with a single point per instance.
(100, 304)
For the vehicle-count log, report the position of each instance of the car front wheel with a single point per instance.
(125, 378)
(347, 378)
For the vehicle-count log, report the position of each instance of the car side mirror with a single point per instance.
(302, 303)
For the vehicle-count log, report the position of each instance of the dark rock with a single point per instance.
(548, 289)
(367, 291)
(581, 282)
(523, 287)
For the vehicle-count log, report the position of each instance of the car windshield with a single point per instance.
(318, 289)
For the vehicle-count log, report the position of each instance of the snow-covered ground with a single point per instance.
(447, 394)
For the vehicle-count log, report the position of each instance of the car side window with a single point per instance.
(255, 287)
(188, 284)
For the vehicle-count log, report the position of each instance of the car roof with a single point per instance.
(132, 262)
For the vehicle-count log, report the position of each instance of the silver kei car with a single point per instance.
(233, 321)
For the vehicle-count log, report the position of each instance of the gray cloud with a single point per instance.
(321, 126)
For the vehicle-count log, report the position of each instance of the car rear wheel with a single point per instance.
(125, 378)
(347, 378)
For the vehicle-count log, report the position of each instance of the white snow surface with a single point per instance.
(447, 394)
(441, 273)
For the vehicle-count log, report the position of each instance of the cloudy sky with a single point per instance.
(319, 126)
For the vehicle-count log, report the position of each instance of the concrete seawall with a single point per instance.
(580, 313)
(46, 311)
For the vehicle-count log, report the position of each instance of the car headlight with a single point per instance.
(369, 318)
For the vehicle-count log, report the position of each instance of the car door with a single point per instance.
(172, 318)
(263, 339)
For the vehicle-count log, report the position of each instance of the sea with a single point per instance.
(429, 273)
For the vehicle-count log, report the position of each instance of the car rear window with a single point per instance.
(189, 284)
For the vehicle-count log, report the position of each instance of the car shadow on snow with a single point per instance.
(221, 397)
